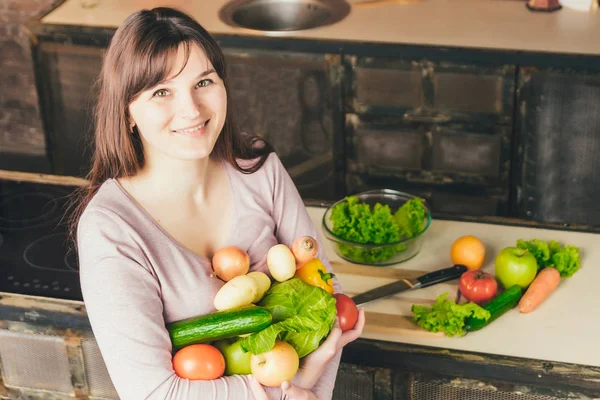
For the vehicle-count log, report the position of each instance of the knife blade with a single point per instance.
(429, 279)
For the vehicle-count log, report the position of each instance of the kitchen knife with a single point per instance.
(431, 278)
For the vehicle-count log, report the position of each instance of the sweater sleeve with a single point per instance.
(123, 301)
(292, 221)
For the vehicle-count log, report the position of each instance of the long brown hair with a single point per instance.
(140, 55)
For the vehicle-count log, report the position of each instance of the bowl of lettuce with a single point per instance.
(378, 227)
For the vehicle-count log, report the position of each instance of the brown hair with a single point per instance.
(140, 55)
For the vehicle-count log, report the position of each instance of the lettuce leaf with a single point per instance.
(410, 217)
(303, 316)
(552, 254)
(358, 222)
(447, 316)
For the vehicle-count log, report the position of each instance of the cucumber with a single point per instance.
(496, 307)
(218, 325)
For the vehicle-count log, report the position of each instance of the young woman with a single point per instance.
(172, 182)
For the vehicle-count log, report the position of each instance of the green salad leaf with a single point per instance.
(552, 254)
(356, 221)
(410, 217)
(303, 316)
(447, 316)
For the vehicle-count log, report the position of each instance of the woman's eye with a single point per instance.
(160, 93)
(204, 82)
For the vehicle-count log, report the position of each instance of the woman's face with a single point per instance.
(182, 116)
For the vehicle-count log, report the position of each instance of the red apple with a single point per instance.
(275, 366)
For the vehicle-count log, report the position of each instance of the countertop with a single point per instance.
(479, 24)
(564, 328)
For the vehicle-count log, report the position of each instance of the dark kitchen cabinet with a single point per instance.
(558, 169)
(66, 76)
(437, 129)
(477, 135)
(357, 382)
(293, 100)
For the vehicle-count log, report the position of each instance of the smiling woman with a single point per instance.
(172, 182)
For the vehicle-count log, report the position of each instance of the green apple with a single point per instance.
(515, 266)
(236, 360)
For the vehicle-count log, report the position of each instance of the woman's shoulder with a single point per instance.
(109, 203)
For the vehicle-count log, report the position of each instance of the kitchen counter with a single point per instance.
(476, 24)
(564, 328)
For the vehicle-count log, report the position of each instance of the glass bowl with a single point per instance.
(377, 254)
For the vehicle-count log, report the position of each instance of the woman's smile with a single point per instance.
(197, 130)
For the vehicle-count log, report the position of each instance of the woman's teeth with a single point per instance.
(193, 129)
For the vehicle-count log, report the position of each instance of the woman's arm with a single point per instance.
(124, 306)
(292, 221)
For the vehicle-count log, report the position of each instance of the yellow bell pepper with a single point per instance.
(314, 273)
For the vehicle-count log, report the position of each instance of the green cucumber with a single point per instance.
(218, 325)
(498, 306)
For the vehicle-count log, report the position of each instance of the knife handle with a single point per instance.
(442, 275)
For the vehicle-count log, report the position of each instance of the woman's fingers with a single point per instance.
(354, 333)
(293, 392)
(257, 390)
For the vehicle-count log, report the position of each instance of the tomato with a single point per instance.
(478, 286)
(199, 361)
(347, 311)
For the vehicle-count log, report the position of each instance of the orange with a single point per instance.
(468, 251)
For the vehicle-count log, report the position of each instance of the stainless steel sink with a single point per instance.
(283, 15)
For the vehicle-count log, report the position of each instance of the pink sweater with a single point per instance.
(136, 278)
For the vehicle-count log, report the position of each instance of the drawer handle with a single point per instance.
(426, 116)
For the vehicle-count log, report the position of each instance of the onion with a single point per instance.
(304, 248)
(229, 262)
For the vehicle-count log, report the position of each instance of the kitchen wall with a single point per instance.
(20, 122)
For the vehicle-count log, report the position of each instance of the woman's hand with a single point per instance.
(314, 364)
(289, 391)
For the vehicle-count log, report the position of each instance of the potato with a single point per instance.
(281, 262)
(239, 291)
(264, 284)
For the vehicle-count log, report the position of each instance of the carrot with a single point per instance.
(304, 248)
(544, 283)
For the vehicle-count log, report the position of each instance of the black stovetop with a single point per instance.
(35, 257)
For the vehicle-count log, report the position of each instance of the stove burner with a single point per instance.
(50, 252)
(28, 210)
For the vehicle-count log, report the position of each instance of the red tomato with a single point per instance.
(478, 286)
(347, 311)
(199, 361)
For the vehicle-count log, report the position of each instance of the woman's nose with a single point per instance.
(189, 107)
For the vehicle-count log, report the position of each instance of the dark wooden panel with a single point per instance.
(68, 73)
(557, 164)
(292, 100)
(464, 152)
(424, 90)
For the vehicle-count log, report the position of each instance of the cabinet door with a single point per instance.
(459, 168)
(423, 90)
(420, 386)
(67, 74)
(356, 382)
(293, 100)
(559, 141)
